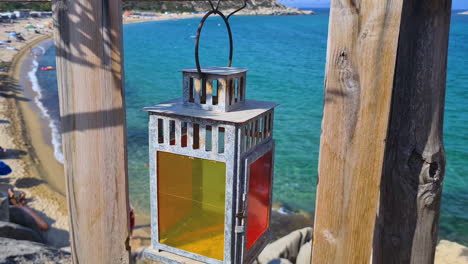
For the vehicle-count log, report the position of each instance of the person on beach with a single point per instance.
(21, 197)
(20, 37)
(19, 202)
(3, 152)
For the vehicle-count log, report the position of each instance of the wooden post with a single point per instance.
(414, 165)
(361, 57)
(88, 40)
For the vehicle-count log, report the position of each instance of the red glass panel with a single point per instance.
(259, 198)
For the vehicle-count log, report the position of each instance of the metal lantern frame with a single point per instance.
(247, 126)
(248, 135)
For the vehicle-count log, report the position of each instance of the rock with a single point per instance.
(15, 231)
(448, 252)
(305, 253)
(27, 252)
(66, 249)
(286, 248)
(4, 207)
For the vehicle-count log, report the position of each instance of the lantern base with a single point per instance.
(167, 257)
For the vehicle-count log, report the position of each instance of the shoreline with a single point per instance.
(25, 151)
(147, 16)
(33, 120)
(48, 198)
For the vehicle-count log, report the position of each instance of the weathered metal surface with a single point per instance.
(167, 257)
(230, 91)
(247, 159)
(223, 71)
(235, 154)
(249, 110)
(228, 157)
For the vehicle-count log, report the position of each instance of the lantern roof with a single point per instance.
(224, 71)
(250, 109)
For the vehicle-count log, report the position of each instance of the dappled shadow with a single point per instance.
(28, 182)
(93, 120)
(54, 236)
(5, 185)
(4, 179)
(12, 154)
(89, 46)
(10, 88)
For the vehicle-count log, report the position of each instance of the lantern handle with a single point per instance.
(214, 10)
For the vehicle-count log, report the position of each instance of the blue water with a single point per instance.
(286, 58)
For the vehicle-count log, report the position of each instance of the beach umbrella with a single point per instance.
(4, 168)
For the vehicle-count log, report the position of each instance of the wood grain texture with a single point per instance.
(88, 41)
(361, 56)
(414, 165)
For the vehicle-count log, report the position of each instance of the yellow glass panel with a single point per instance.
(191, 202)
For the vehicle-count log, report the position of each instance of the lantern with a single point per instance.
(211, 169)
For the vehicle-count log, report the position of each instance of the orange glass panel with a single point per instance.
(191, 202)
(259, 198)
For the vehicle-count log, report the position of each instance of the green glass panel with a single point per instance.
(191, 204)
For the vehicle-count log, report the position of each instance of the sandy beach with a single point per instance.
(132, 18)
(27, 154)
(159, 17)
(23, 132)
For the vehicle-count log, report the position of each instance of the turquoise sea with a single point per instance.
(286, 58)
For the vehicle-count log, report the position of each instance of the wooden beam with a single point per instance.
(88, 41)
(361, 56)
(414, 165)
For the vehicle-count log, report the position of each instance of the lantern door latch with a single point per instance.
(241, 216)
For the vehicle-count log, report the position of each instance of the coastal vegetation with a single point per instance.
(11, 6)
(197, 6)
(261, 7)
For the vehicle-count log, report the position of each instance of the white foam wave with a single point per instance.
(56, 136)
(42, 49)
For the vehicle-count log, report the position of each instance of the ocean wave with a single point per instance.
(53, 125)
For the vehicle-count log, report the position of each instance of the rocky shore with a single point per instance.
(273, 11)
(253, 8)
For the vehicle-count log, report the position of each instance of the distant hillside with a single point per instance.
(32, 6)
(254, 7)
